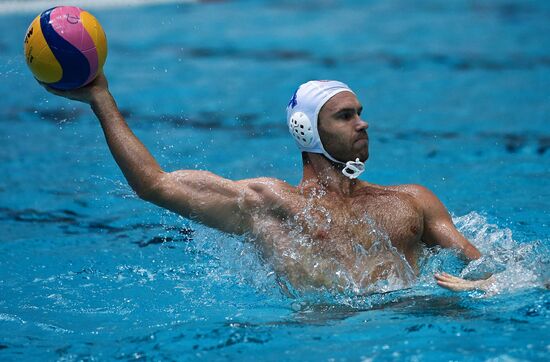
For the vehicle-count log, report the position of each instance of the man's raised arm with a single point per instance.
(200, 195)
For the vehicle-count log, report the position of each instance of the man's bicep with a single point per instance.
(445, 234)
(439, 228)
(205, 197)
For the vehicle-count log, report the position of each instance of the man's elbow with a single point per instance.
(151, 190)
(471, 252)
(145, 193)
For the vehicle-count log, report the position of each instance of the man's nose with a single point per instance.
(361, 124)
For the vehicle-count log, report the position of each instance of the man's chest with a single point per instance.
(365, 238)
(361, 220)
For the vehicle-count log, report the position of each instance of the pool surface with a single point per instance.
(457, 95)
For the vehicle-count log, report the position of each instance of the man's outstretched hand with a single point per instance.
(86, 94)
(457, 284)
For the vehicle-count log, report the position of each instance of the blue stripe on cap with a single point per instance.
(74, 64)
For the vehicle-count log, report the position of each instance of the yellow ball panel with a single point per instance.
(39, 57)
(97, 34)
(46, 68)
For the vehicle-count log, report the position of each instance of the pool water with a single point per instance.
(457, 97)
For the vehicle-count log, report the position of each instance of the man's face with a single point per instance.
(342, 131)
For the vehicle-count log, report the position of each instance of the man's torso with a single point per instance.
(318, 239)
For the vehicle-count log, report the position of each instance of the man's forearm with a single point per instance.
(137, 164)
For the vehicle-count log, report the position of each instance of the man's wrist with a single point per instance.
(99, 97)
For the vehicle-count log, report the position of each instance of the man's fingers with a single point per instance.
(53, 91)
(443, 276)
(449, 278)
(49, 89)
(75, 95)
(451, 282)
(445, 285)
(456, 284)
(453, 286)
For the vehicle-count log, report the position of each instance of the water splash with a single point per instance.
(343, 265)
(516, 265)
(232, 260)
(358, 260)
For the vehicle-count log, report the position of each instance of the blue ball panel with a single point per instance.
(74, 64)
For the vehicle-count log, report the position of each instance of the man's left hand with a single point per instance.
(457, 284)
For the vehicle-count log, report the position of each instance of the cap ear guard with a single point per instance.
(301, 129)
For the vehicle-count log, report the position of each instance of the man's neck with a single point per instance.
(320, 172)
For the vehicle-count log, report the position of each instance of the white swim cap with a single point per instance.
(302, 115)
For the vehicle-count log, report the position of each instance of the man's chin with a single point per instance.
(361, 158)
(363, 155)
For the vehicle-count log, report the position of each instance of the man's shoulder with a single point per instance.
(269, 194)
(418, 193)
(268, 188)
(422, 195)
(260, 183)
(414, 190)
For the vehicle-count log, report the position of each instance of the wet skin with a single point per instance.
(318, 238)
(329, 231)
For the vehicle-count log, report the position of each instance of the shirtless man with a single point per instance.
(331, 231)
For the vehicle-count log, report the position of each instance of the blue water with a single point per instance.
(457, 97)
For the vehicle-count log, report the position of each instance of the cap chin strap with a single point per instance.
(353, 169)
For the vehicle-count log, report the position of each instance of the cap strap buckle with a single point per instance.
(353, 169)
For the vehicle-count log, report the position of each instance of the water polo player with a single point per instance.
(331, 231)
